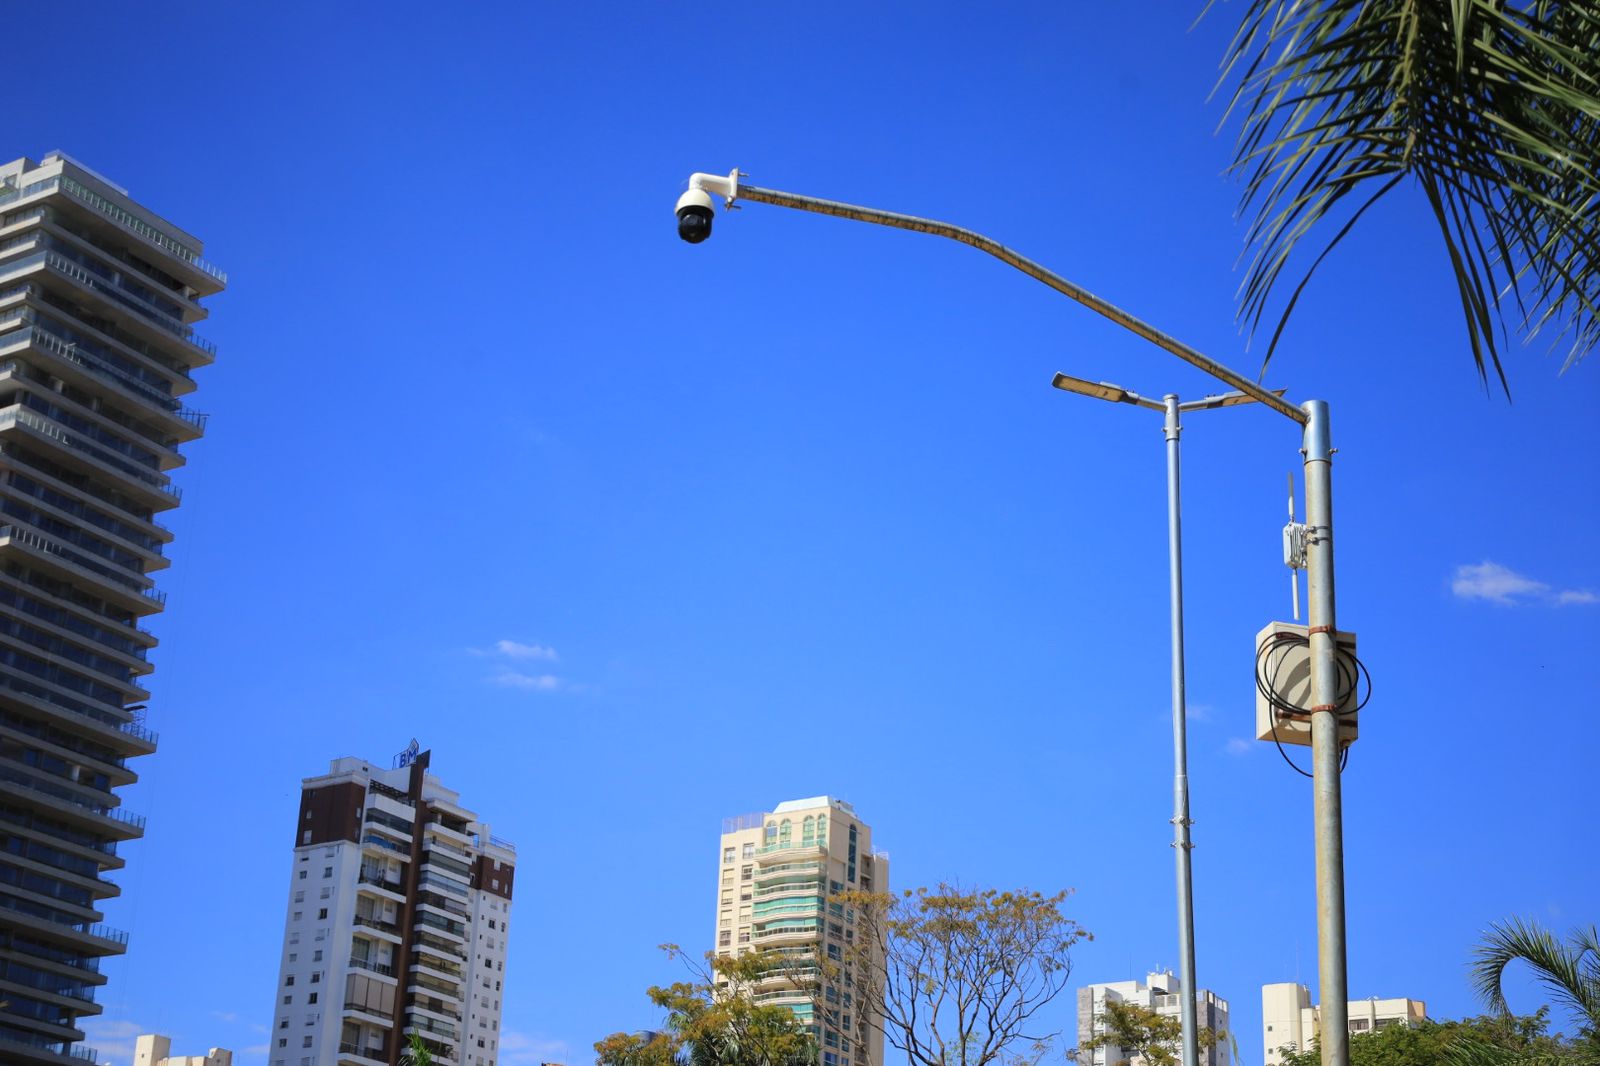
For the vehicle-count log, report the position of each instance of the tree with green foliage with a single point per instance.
(1491, 109)
(712, 1018)
(416, 1053)
(1489, 1038)
(1143, 1033)
(954, 976)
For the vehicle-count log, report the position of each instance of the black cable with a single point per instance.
(1351, 671)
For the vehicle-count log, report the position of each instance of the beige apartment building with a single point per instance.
(1288, 1017)
(778, 873)
(1160, 992)
(397, 922)
(154, 1050)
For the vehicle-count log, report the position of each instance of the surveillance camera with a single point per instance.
(694, 215)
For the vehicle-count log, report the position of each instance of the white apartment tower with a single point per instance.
(1288, 1018)
(777, 874)
(397, 922)
(99, 297)
(1159, 992)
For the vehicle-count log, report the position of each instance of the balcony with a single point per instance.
(85, 360)
(374, 879)
(369, 922)
(145, 312)
(786, 934)
(379, 968)
(788, 850)
(102, 458)
(360, 1053)
(74, 801)
(138, 226)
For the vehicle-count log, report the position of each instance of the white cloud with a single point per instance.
(1502, 585)
(512, 649)
(529, 1049)
(113, 1038)
(1238, 746)
(516, 649)
(527, 682)
(1197, 712)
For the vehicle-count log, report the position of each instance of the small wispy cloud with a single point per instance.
(1238, 746)
(1504, 586)
(227, 1016)
(528, 1049)
(526, 682)
(516, 649)
(114, 1038)
(1197, 712)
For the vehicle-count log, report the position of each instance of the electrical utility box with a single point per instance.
(1283, 667)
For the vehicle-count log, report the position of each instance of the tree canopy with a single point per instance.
(712, 1019)
(1146, 1034)
(1490, 107)
(955, 976)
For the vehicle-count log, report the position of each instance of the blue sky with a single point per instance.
(796, 511)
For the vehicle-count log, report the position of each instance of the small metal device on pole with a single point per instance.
(695, 209)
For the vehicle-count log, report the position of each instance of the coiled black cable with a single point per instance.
(1352, 672)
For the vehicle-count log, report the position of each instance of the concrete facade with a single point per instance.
(397, 924)
(1160, 992)
(98, 301)
(1288, 1018)
(775, 874)
(154, 1050)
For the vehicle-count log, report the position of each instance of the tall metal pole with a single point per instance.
(1180, 744)
(1318, 451)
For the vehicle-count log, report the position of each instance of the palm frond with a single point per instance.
(1568, 972)
(1491, 107)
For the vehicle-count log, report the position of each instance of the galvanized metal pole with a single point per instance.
(1180, 743)
(1334, 1030)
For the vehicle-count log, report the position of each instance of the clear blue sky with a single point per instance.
(797, 509)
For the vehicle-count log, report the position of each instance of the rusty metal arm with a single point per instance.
(1027, 266)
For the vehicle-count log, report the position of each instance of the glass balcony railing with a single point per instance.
(138, 225)
(88, 279)
(159, 482)
(382, 969)
(77, 799)
(52, 547)
(77, 354)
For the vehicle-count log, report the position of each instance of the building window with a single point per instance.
(288, 981)
(749, 851)
(300, 895)
(302, 875)
(312, 998)
(327, 871)
(744, 873)
(783, 832)
(322, 912)
(808, 830)
(306, 1042)
(727, 856)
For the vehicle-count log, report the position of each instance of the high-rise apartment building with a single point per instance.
(1158, 992)
(1288, 1018)
(397, 923)
(98, 297)
(778, 874)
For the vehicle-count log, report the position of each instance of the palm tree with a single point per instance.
(1490, 107)
(1570, 971)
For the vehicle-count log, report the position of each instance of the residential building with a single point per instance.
(397, 922)
(153, 1050)
(98, 297)
(1160, 992)
(775, 883)
(1288, 1017)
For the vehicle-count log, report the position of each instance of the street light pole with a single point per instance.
(694, 217)
(1180, 743)
(1172, 411)
(1325, 785)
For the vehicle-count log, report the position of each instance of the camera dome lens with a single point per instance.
(694, 224)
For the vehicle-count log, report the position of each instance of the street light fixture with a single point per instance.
(1171, 408)
(1317, 452)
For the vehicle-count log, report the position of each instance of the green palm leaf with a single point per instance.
(1491, 107)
